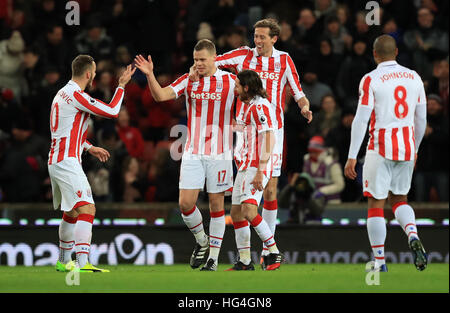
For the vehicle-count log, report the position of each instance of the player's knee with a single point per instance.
(185, 205)
(87, 209)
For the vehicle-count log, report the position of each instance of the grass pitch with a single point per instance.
(290, 278)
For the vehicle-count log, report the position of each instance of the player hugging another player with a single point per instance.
(255, 170)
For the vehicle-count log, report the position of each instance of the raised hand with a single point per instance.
(145, 66)
(126, 75)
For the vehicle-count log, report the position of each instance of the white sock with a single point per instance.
(83, 235)
(269, 214)
(216, 232)
(404, 215)
(242, 236)
(194, 221)
(263, 231)
(376, 228)
(66, 233)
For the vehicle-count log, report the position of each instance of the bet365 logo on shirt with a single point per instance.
(206, 95)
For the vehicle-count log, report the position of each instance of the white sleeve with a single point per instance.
(180, 85)
(93, 106)
(359, 127)
(365, 107)
(293, 80)
(420, 118)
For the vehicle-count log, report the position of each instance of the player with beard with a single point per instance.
(69, 120)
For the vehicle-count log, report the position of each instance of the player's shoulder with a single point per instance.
(225, 73)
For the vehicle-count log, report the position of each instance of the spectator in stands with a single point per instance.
(320, 183)
(103, 88)
(11, 58)
(354, 67)
(364, 31)
(432, 161)
(339, 36)
(286, 42)
(439, 82)
(306, 34)
(56, 49)
(34, 68)
(313, 88)
(233, 38)
(24, 165)
(129, 135)
(41, 105)
(424, 42)
(328, 117)
(326, 63)
(95, 42)
(296, 137)
(110, 141)
(9, 111)
(162, 172)
(338, 138)
(134, 184)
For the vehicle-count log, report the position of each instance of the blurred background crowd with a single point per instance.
(329, 41)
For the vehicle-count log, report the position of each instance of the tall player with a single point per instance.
(255, 170)
(69, 120)
(393, 98)
(208, 150)
(276, 70)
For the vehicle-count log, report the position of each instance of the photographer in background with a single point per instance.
(320, 183)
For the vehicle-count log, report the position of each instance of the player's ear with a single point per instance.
(274, 39)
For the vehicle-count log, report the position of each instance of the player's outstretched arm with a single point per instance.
(146, 66)
(86, 103)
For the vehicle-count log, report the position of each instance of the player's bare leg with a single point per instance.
(193, 219)
(405, 216)
(376, 229)
(269, 212)
(242, 237)
(216, 229)
(250, 211)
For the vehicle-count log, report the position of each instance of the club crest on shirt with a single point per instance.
(219, 86)
(277, 66)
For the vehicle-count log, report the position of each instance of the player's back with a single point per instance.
(393, 91)
(68, 125)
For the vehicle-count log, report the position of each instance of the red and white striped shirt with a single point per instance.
(392, 92)
(259, 117)
(275, 72)
(69, 119)
(209, 104)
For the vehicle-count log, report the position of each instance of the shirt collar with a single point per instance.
(275, 52)
(71, 82)
(387, 63)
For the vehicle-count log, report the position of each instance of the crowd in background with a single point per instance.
(329, 41)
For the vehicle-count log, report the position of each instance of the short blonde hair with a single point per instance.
(205, 44)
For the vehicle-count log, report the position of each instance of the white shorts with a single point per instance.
(218, 173)
(69, 185)
(381, 175)
(243, 191)
(277, 155)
